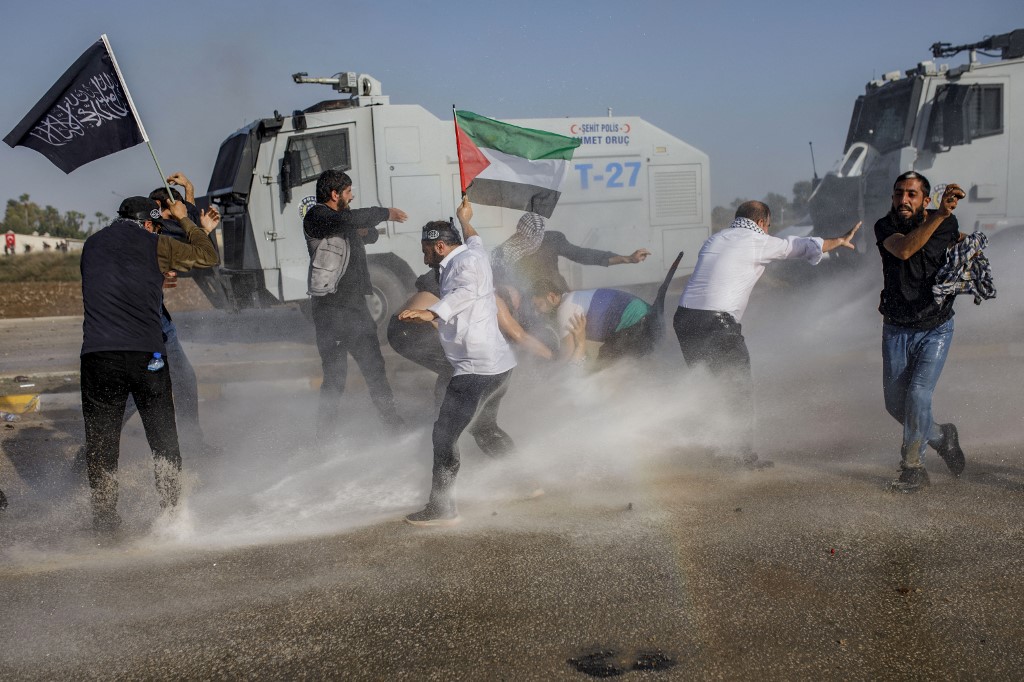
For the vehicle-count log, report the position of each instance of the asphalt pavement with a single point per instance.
(643, 558)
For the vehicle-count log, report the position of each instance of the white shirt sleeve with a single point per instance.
(792, 248)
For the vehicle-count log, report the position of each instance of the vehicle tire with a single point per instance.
(388, 294)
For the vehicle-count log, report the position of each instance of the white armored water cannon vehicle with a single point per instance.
(631, 185)
(952, 124)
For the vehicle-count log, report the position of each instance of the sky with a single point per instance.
(748, 83)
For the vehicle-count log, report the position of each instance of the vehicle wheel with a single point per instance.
(388, 294)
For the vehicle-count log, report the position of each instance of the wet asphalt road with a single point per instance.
(293, 563)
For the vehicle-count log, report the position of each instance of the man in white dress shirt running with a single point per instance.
(467, 318)
(707, 322)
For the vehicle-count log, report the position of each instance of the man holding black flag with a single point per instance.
(123, 350)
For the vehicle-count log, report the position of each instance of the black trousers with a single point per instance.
(421, 344)
(186, 394)
(341, 331)
(715, 340)
(108, 379)
(471, 400)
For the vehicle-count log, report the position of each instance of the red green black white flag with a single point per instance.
(506, 165)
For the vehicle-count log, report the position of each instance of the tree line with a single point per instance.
(25, 216)
(785, 211)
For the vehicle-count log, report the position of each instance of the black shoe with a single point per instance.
(910, 481)
(950, 451)
(433, 516)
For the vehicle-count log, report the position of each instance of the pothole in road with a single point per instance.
(611, 663)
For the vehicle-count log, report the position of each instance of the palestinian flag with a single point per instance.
(505, 165)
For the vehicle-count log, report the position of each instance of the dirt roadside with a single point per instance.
(56, 299)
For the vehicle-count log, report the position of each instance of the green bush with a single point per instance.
(41, 267)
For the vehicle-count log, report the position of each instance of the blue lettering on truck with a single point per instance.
(615, 174)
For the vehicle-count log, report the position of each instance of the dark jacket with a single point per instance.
(906, 298)
(122, 283)
(543, 263)
(322, 221)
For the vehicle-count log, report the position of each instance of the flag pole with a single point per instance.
(135, 113)
(458, 151)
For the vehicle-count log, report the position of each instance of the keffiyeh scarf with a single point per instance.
(527, 239)
(747, 224)
(966, 271)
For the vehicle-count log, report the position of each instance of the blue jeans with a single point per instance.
(912, 360)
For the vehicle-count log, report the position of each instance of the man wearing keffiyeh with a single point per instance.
(531, 255)
(707, 322)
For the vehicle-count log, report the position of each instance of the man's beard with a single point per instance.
(910, 222)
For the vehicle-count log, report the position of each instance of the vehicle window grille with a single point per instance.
(320, 152)
(675, 195)
(985, 110)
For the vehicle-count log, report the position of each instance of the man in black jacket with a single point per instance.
(342, 320)
(123, 351)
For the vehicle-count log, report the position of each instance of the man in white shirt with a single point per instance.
(467, 317)
(707, 322)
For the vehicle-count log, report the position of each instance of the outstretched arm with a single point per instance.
(845, 241)
(637, 256)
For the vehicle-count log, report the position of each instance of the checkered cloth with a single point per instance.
(525, 242)
(966, 271)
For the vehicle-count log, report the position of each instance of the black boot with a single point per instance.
(949, 449)
(440, 510)
(910, 481)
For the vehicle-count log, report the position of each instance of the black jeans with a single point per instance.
(186, 393)
(421, 344)
(108, 379)
(341, 331)
(715, 340)
(470, 399)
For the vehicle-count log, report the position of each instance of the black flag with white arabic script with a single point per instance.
(86, 115)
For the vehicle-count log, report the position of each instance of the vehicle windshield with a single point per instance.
(232, 173)
(884, 118)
